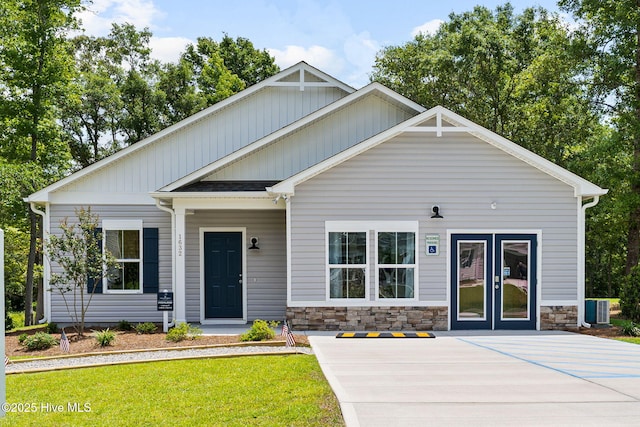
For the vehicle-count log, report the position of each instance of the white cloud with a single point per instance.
(428, 28)
(168, 49)
(100, 14)
(360, 50)
(317, 56)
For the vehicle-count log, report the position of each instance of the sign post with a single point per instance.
(165, 304)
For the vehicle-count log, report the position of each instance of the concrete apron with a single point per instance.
(534, 379)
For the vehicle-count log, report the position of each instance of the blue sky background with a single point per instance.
(339, 37)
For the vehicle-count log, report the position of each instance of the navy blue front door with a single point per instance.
(223, 275)
(493, 281)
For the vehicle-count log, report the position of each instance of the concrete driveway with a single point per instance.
(496, 379)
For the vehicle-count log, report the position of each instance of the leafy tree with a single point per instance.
(78, 254)
(611, 29)
(35, 69)
(513, 74)
(93, 106)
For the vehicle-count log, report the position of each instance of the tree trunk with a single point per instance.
(633, 239)
(28, 291)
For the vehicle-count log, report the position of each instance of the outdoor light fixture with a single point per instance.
(436, 212)
(254, 243)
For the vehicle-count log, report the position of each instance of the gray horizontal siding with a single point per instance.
(402, 179)
(266, 268)
(318, 141)
(115, 307)
(207, 140)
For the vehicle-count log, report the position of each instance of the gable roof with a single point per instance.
(301, 75)
(441, 120)
(372, 88)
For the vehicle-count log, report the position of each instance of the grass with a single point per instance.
(258, 391)
(632, 340)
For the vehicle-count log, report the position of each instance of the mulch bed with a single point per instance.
(123, 341)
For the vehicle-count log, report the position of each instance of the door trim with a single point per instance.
(539, 243)
(233, 321)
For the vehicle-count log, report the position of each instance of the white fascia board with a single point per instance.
(293, 127)
(42, 195)
(582, 187)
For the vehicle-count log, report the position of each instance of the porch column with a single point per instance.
(180, 289)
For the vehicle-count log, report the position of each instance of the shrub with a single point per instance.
(630, 295)
(183, 331)
(125, 325)
(261, 330)
(631, 329)
(40, 341)
(105, 337)
(52, 328)
(8, 322)
(22, 337)
(146, 328)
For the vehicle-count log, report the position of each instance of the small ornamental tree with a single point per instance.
(78, 253)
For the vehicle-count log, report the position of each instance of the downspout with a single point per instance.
(173, 253)
(581, 259)
(45, 265)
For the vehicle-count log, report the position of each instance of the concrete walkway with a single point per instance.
(531, 379)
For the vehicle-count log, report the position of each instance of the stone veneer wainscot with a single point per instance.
(368, 318)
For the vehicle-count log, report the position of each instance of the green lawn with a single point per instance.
(261, 391)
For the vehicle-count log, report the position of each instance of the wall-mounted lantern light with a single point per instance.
(436, 212)
(254, 244)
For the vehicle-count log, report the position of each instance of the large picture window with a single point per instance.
(347, 264)
(123, 239)
(372, 261)
(396, 264)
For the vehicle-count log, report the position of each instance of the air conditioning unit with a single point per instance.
(602, 312)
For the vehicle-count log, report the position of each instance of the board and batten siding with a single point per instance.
(401, 179)
(209, 139)
(318, 141)
(115, 307)
(266, 268)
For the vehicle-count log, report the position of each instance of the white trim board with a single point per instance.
(201, 232)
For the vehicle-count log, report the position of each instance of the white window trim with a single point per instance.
(119, 224)
(372, 259)
(352, 229)
(378, 266)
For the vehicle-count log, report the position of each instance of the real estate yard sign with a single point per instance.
(3, 385)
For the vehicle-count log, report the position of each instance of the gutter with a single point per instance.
(581, 258)
(173, 253)
(45, 292)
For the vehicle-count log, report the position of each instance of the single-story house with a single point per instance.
(339, 209)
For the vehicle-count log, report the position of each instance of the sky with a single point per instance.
(340, 37)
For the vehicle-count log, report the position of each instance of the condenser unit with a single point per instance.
(602, 312)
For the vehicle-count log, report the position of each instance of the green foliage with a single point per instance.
(630, 296)
(513, 74)
(125, 325)
(183, 331)
(8, 322)
(261, 330)
(52, 328)
(105, 337)
(631, 329)
(39, 341)
(77, 253)
(22, 338)
(146, 328)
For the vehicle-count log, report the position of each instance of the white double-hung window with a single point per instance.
(123, 239)
(356, 249)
